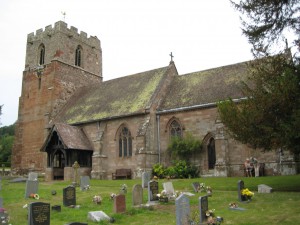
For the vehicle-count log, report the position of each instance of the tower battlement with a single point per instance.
(61, 26)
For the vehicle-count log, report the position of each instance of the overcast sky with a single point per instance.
(135, 35)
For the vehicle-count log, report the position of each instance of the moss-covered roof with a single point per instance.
(113, 98)
(204, 87)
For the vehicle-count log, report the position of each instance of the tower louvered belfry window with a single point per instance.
(42, 54)
(78, 56)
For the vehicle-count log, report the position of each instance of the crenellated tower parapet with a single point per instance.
(63, 44)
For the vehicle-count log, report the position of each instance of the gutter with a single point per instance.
(200, 106)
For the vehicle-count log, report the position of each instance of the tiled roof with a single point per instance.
(118, 97)
(71, 137)
(205, 87)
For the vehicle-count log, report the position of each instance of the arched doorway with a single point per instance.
(211, 153)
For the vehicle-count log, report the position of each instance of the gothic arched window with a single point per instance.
(42, 54)
(125, 143)
(175, 129)
(78, 56)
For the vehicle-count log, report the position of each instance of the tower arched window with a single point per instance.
(42, 54)
(125, 143)
(78, 56)
(175, 129)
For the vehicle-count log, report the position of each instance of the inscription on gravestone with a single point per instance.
(69, 196)
(119, 204)
(32, 176)
(31, 187)
(203, 207)
(137, 195)
(182, 204)
(240, 187)
(153, 190)
(39, 213)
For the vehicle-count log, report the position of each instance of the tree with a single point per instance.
(6, 143)
(269, 118)
(267, 22)
(0, 112)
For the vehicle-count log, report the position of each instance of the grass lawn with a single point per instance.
(279, 207)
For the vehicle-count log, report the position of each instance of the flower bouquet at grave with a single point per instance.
(97, 199)
(35, 196)
(210, 216)
(163, 197)
(112, 196)
(209, 190)
(246, 194)
(123, 189)
(233, 205)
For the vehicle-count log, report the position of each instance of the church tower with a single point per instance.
(59, 60)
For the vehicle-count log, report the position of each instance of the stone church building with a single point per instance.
(67, 113)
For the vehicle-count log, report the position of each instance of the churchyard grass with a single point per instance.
(279, 207)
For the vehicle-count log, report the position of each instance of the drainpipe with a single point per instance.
(158, 137)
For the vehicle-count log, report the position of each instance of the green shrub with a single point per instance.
(158, 170)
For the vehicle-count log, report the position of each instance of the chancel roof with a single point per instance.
(123, 96)
(204, 87)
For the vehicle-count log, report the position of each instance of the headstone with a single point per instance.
(168, 187)
(69, 196)
(119, 204)
(240, 187)
(262, 188)
(31, 187)
(137, 195)
(39, 213)
(203, 207)
(32, 176)
(196, 186)
(182, 204)
(145, 179)
(153, 190)
(84, 183)
(97, 216)
(76, 223)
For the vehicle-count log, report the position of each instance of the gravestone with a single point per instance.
(84, 183)
(137, 195)
(203, 207)
(97, 216)
(262, 188)
(39, 213)
(145, 179)
(32, 176)
(69, 196)
(119, 204)
(168, 187)
(196, 186)
(76, 223)
(153, 190)
(31, 187)
(182, 204)
(240, 187)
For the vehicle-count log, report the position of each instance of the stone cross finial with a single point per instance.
(76, 166)
(171, 57)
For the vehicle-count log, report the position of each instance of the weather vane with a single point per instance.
(64, 15)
